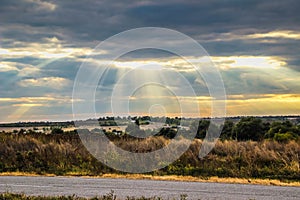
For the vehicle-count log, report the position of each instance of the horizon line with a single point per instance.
(226, 117)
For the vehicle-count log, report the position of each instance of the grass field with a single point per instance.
(257, 162)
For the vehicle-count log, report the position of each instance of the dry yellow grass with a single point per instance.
(172, 178)
(23, 174)
(210, 180)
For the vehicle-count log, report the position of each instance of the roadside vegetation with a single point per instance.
(109, 196)
(248, 148)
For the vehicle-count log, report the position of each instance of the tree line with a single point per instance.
(252, 128)
(247, 128)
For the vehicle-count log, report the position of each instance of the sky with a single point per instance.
(254, 44)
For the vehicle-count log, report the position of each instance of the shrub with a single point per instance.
(284, 137)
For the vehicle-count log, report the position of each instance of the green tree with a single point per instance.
(167, 132)
(200, 127)
(282, 131)
(57, 131)
(249, 128)
(227, 130)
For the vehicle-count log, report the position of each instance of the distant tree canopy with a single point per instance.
(167, 132)
(242, 129)
(249, 128)
(57, 131)
(227, 130)
(200, 127)
(283, 131)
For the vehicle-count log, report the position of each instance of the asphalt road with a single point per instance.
(90, 187)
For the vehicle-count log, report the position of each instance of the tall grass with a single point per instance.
(64, 154)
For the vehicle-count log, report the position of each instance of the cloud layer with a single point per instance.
(254, 44)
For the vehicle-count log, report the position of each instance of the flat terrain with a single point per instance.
(89, 187)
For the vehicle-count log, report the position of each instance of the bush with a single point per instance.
(57, 131)
(284, 137)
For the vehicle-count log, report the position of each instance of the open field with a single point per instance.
(64, 154)
(270, 158)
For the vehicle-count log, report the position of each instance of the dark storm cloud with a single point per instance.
(72, 20)
(280, 47)
(96, 20)
(85, 21)
(220, 16)
(80, 23)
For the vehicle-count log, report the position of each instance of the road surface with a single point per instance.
(90, 187)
